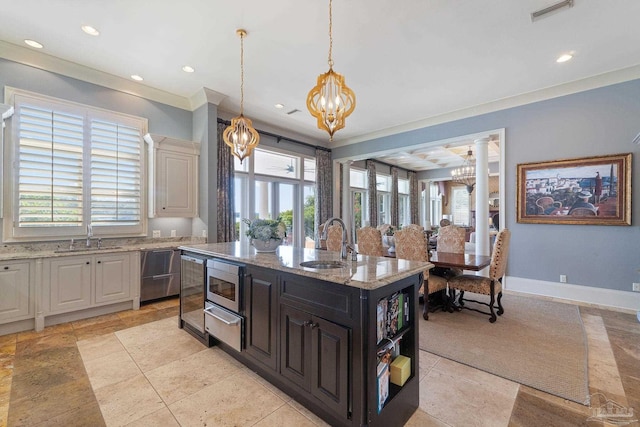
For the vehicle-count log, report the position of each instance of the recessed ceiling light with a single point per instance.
(564, 57)
(188, 69)
(90, 30)
(136, 77)
(279, 106)
(33, 43)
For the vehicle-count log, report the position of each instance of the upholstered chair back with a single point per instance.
(499, 256)
(413, 227)
(369, 241)
(451, 239)
(334, 238)
(411, 244)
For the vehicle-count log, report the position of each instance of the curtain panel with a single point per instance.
(413, 196)
(395, 215)
(324, 190)
(373, 193)
(226, 231)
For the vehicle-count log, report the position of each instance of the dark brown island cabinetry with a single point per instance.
(317, 341)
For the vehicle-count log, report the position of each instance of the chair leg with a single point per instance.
(492, 300)
(500, 309)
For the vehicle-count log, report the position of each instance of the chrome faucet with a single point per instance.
(345, 242)
(89, 235)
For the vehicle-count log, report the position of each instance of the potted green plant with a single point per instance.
(265, 234)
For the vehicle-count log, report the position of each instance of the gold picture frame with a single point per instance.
(590, 190)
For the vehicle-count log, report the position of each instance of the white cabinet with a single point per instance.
(112, 277)
(84, 281)
(173, 180)
(16, 290)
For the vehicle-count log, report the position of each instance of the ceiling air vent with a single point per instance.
(295, 110)
(553, 8)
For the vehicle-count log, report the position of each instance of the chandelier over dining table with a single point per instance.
(466, 174)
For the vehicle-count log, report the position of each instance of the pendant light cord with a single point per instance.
(241, 74)
(330, 34)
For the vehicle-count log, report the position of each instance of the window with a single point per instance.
(460, 206)
(75, 166)
(435, 203)
(404, 212)
(383, 187)
(271, 184)
(359, 197)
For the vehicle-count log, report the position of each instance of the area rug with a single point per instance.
(538, 343)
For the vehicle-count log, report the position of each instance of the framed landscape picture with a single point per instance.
(590, 190)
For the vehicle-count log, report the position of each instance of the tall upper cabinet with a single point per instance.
(173, 176)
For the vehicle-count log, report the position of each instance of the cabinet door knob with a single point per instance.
(99, 262)
(6, 267)
(88, 262)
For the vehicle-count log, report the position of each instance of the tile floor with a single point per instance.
(136, 368)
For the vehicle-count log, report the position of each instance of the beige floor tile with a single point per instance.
(183, 377)
(111, 369)
(127, 401)
(422, 419)
(160, 418)
(285, 416)
(458, 401)
(307, 413)
(272, 388)
(4, 412)
(427, 361)
(98, 347)
(155, 353)
(237, 401)
(508, 389)
(149, 331)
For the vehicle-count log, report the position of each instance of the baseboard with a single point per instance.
(628, 302)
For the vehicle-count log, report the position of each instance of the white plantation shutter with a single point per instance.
(74, 165)
(50, 168)
(115, 174)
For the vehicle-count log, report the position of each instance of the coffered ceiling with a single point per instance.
(410, 63)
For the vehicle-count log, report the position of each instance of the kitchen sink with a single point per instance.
(80, 250)
(323, 264)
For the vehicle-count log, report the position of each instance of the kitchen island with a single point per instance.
(326, 336)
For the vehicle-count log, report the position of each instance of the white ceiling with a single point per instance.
(408, 62)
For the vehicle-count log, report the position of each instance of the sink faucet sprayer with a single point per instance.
(345, 242)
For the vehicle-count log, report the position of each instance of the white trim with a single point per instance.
(578, 294)
(593, 82)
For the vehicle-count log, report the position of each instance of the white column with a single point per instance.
(482, 196)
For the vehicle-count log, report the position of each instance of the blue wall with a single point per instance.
(591, 123)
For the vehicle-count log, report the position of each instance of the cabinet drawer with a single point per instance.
(325, 299)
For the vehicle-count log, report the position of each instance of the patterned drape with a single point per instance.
(373, 193)
(341, 168)
(395, 215)
(226, 231)
(413, 196)
(324, 192)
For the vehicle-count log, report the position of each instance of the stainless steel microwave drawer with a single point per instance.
(224, 325)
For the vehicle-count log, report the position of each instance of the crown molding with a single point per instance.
(52, 64)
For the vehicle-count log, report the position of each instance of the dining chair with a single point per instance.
(413, 227)
(383, 228)
(491, 285)
(451, 238)
(323, 243)
(369, 241)
(334, 238)
(411, 244)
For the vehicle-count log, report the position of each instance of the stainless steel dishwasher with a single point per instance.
(160, 273)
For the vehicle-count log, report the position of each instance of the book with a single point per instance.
(381, 320)
(400, 311)
(393, 311)
(383, 376)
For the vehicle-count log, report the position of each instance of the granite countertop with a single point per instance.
(368, 272)
(61, 248)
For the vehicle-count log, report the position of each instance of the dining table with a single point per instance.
(464, 261)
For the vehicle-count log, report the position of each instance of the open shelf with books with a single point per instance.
(395, 359)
